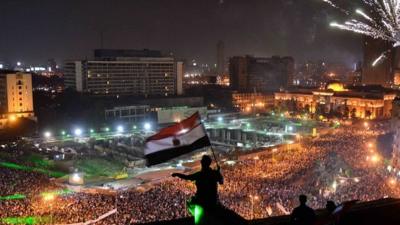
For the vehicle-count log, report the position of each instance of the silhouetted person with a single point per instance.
(302, 215)
(326, 217)
(206, 196)
(330, 206)
(206, 181)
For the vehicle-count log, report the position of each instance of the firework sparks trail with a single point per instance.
(377, 60)
(379, 20)
(335, 6)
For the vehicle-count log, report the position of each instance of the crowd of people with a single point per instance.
(334, 167)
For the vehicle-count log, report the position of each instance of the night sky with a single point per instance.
(36, 30)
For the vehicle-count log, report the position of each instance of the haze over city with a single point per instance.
(188, 28)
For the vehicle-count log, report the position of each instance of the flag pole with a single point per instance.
(212, 149)
(215, 158)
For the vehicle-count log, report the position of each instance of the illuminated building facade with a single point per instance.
(336, 100)
(16, 98)
(126, 72)
(253, 102)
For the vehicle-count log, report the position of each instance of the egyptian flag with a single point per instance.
(176, 140)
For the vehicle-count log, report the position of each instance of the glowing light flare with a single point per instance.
(375, 158)
(47, 134)
(29, 220)
(78, 132)
(12, 118)
(120, 129)
(13, 197)
(147, 126)
(48, 197)
(392, 181)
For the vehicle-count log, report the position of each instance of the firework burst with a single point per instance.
(380, 20)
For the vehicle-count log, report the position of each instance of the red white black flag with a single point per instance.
(176, 140)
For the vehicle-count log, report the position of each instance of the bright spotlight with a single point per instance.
(375, 158)
(220, 119)
(13, 118)
(147, 126)
(47, 134)
(78, 132)
(120, 129)
(48, 197)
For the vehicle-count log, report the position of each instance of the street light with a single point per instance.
(147, 126)
(220, 119)
(47, 134)
(120, 129)
(12, 118)
(78, 132)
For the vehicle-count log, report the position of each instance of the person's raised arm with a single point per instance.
(220, 178)
(184, 176)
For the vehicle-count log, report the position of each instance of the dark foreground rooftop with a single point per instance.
(378, 212)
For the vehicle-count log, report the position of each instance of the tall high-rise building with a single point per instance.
(16, 98)
(126, 72)
(220, 58)
(248, 73)
(378, 72)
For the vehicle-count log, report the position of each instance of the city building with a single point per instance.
(16, 98)
(136, 110)
(130, 114)
(126, 72)
(379, 72)
(359, 102)
(220, 58)
(252, 102)
(248, 73)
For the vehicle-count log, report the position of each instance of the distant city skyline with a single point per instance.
(190, 29)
